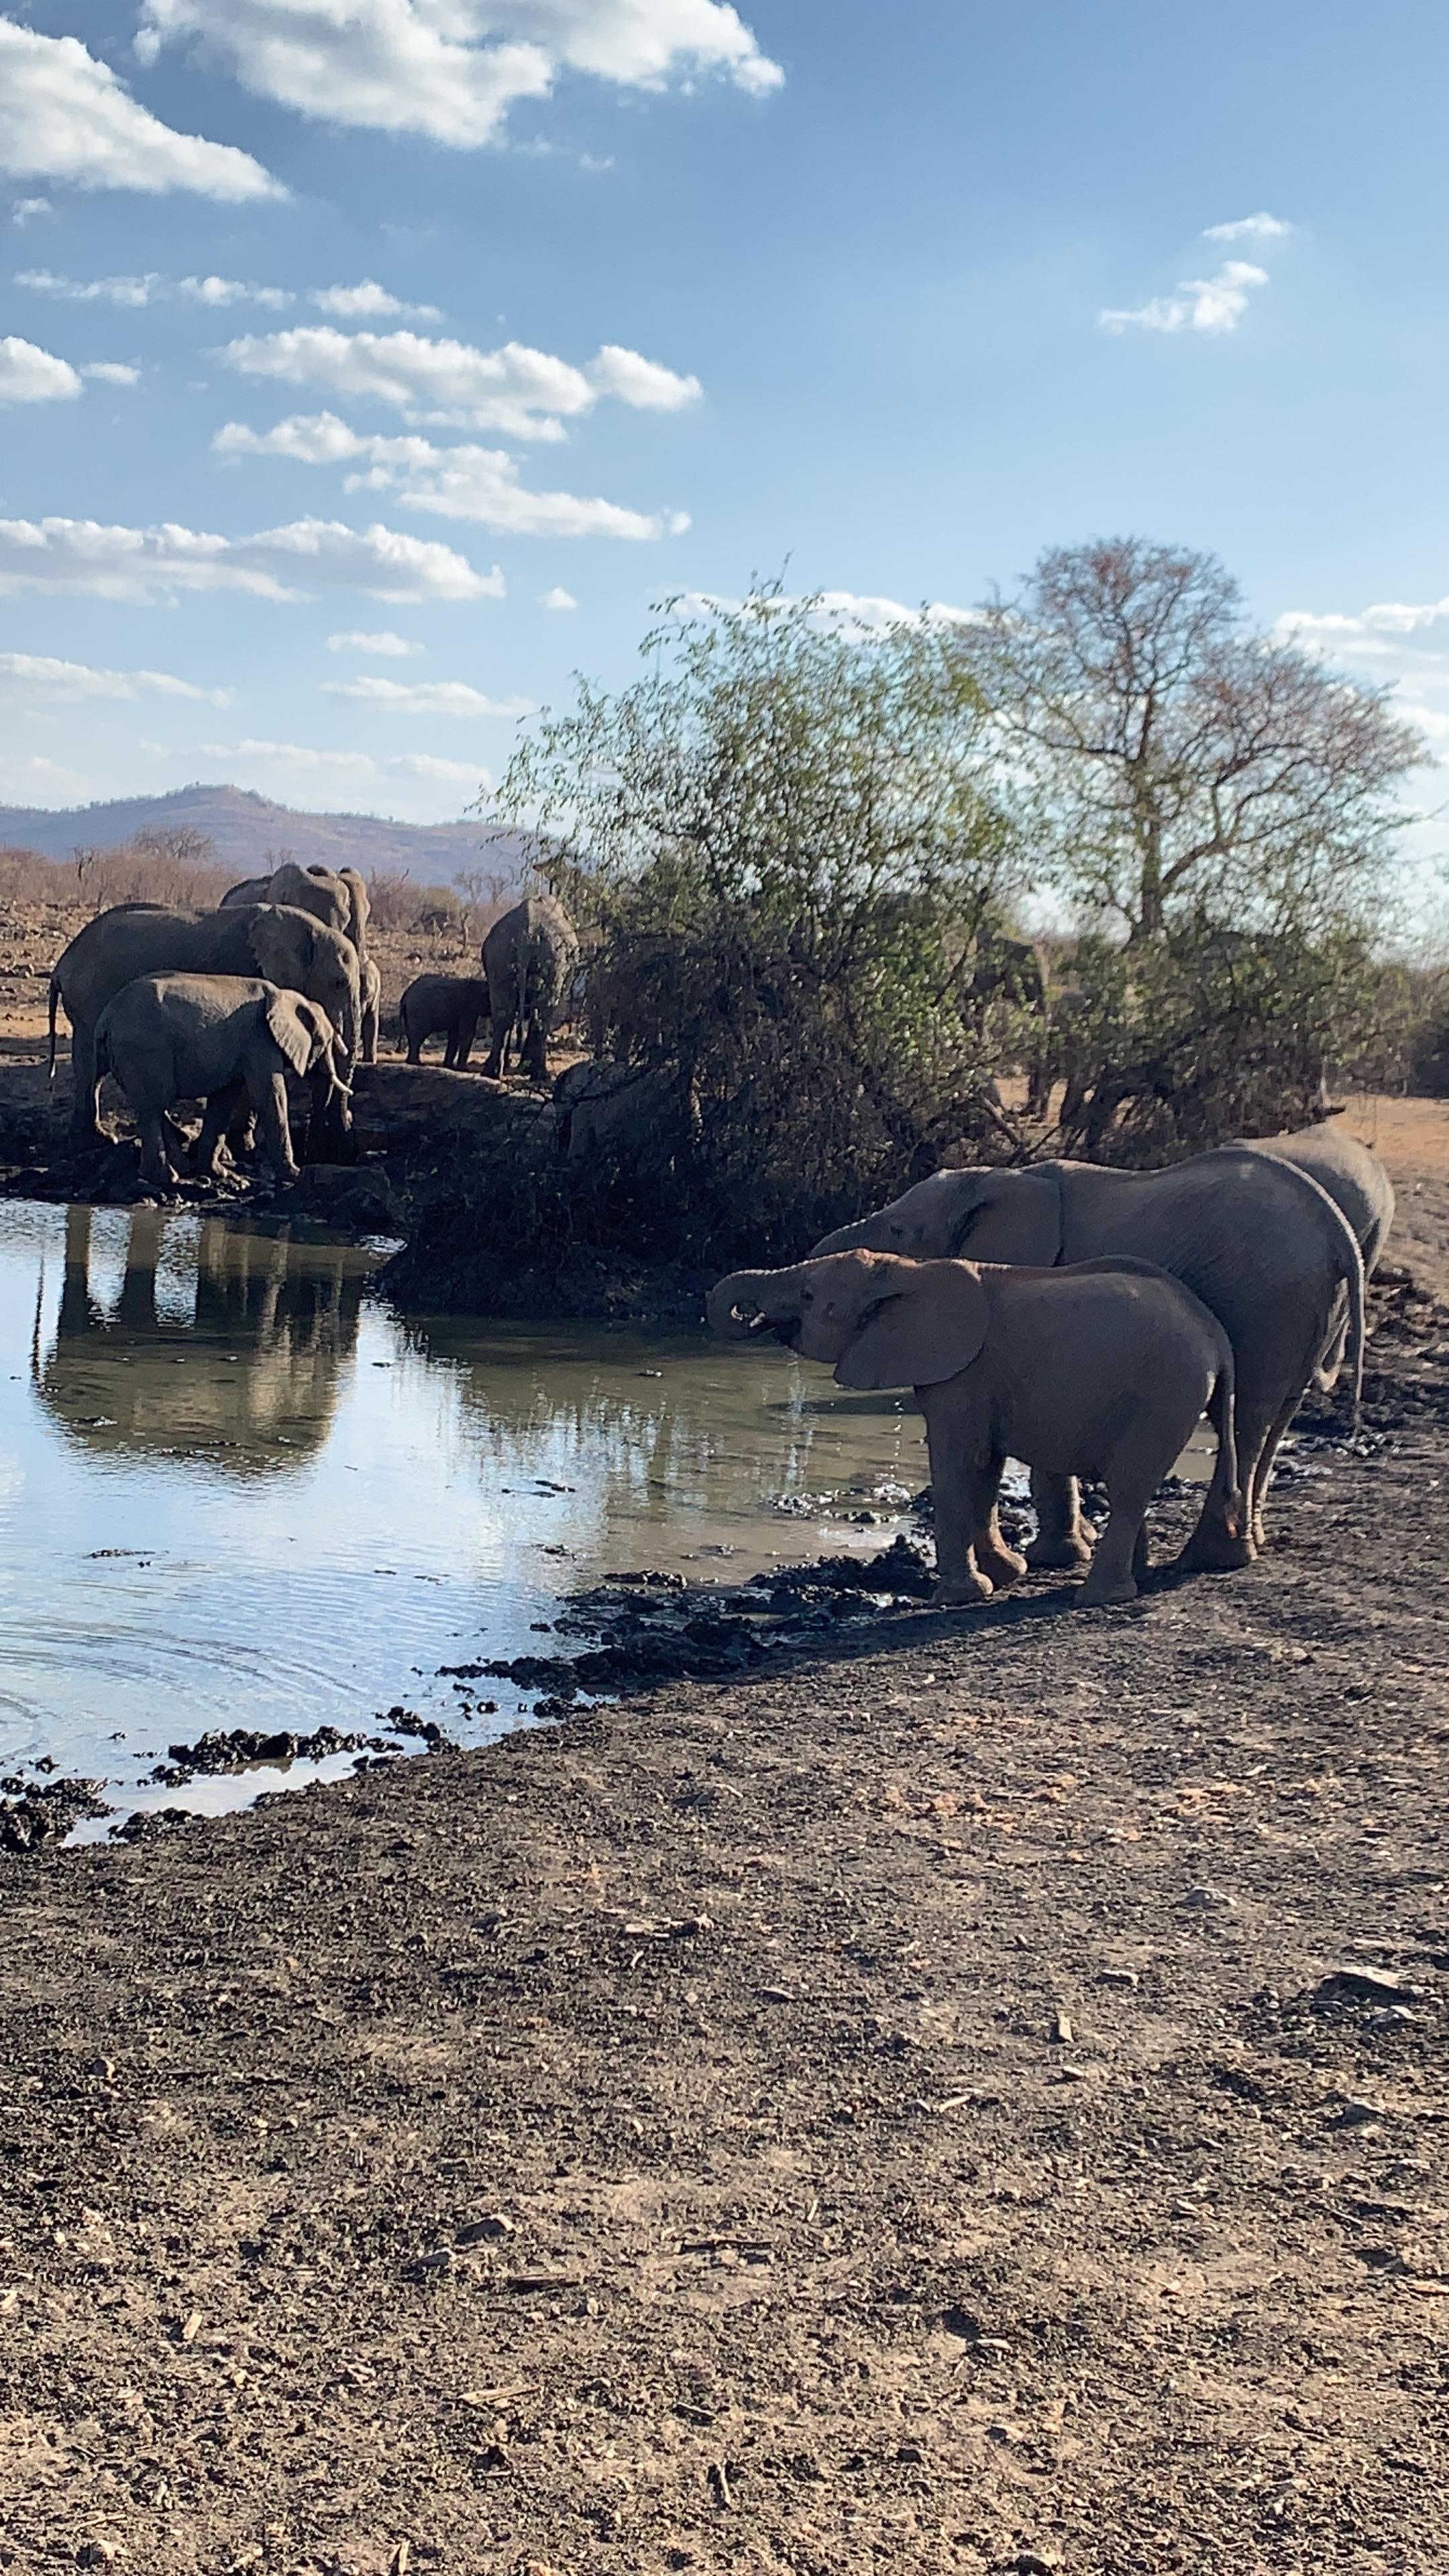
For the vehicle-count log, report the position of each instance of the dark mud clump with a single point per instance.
(240, 1748)
(32, 1815)
(646, 1629)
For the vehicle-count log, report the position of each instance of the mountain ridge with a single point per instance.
(243, 826)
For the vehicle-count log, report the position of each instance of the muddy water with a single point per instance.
(235, 1490)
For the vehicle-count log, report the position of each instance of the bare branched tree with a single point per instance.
(1180, 763)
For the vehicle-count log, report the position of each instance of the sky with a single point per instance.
(366, 370)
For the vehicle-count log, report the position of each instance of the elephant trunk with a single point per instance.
(743, 1288)
(847, 1238)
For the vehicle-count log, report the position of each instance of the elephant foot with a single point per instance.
(1001, 1566)
(1058, 1554)
(965, 1593)
(1215, 1552)
(1105, 1592)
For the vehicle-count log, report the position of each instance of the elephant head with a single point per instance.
(878, 1320)
(306, 957)
(988, 1215)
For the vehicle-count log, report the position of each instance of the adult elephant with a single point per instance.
(530, 957)
(275, 941)
(334, 895)
(1254, 1236)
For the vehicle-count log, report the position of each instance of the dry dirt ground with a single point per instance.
(973, 2099)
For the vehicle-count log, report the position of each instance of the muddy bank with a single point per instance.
(966, 2092)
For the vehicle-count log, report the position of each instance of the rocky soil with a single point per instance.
(964, 2092)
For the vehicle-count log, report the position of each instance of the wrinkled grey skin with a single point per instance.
(1253, 1236)
(530, 957)
(446, 1005)
(634, 1112)
(230, 1040)
(336, 896)
(274, 941)
(1356, 1181)
(1099, 1369)
(370, 984)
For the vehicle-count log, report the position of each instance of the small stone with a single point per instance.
(1126, 1977)
(1035, 2562)
(97, 2553)
(486, 2230)
(440, 2259)
(1359, 2115)
(1208, 1900)
(1363, 1986)
(190, 2328)
(102, 2068)
(1062, 2028)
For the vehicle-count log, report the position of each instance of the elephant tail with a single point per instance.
(1357, 1323)
(1226, 1492)
(54, 998)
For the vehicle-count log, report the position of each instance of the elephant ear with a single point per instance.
(928, 1327)
(1012, 1216)
(282, 944)
(288, 1030)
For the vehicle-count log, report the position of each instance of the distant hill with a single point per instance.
(243, 827)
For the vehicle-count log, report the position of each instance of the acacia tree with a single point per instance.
(1179, 763)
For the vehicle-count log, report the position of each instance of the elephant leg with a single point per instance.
(1063, 1538)
(1122, 1545)
(269, 1098)
(85, 1125)
(218, 1121)
(415, 1048)
(1216, 1545)
(963, 1490)
(450, 1050)
(1000, 1564)
(497, 1064)
(467, 1031)
(156, 1169)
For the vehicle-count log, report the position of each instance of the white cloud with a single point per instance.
(425, 697)
(1249, 228)
(451, 773)
(292, 755)
(111, 371)
(452, 69)
(558, 597)
(80, 555)
(477, 483)
(221, 291)
(391, 647)
(369, 302)
(865, 610)
(40, 676)
(25, 210)
(64, 115)
(31, 375)
(130, 291)
(1214, 304)
(523, 392)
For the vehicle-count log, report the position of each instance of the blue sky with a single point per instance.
(425, 317)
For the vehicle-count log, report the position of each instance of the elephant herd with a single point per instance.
(1081, 1319)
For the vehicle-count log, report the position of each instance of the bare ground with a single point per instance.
(889, 2111)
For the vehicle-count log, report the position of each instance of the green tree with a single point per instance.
(1177, 762)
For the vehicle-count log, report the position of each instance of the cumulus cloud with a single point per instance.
(1213, 304)
(64, 115)
(82, 556)
(216, 292)
(425, 697)
(1258, 228)
(558, 597)
(31, 375)
(453, 71)
(112, 371)
(369, 302)
(477, 483)
(40, 676)
(450, 773)
(523, 392)
(391, 647)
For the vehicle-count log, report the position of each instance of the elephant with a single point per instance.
(275, 941)
(337, 896)
(1254, 1236)
(1356, 1181)
(629, 1111)
(370, 993)
(230, 1040)
(530, 957)
(1098, 1369)
(450, 1005)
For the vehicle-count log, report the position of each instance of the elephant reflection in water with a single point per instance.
(275, 1325)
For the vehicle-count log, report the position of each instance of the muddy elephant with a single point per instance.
(337, 896)
(273, 941)
(230, 1040)
(446, 1006)
(1254, 1236)
(530, 957)
(1098, 1369)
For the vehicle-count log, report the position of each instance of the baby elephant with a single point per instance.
(450, 1005)
(230, 1040)
(1098, 1369)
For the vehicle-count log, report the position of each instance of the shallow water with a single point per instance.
(235, 1490)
